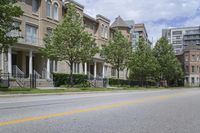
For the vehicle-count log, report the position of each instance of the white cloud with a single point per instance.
(147, 11)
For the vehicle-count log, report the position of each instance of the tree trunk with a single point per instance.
(71, 74)
(127, 73)
(118, 76)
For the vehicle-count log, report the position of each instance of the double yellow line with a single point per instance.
(78, 111)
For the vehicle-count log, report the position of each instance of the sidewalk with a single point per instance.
(75, 93)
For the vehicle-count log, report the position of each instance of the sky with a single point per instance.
(156, 14)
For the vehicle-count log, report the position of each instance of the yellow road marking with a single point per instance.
(78, 111)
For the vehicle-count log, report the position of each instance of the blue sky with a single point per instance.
(156, 14)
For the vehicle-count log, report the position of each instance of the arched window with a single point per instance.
(55, 11)
(48, 8)
(102, 30)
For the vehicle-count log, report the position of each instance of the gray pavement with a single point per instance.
(160, 111)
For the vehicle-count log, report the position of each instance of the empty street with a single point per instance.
(158, 111)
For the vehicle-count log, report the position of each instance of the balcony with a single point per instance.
(32, 41)
(186, 38)
(193, 32)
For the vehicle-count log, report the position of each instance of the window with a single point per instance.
(106, 32)
(16, 32)
(177, 32)
(31, 34)
(113, 72)
(197, 58)
(187, 69)
(186, 58)
(48, 8)
(102, 30)
(187, 80)
(177, 42)
(35, 6)
(193, 58)
(192, 80)
(55, 11)
(193, 69)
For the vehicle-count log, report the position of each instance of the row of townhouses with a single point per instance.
(40, 18)
(186, 44)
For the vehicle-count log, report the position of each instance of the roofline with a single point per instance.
(173, 28)
(101, 16)
(74, 2)
(144, 27)
(89, 17)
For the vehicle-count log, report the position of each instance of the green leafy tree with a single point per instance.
(8, 10)
(170, 68)
(117, 52)
(143, 64)
(69, 41)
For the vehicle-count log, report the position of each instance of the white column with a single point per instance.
(30, 62)
(2, 60)
(103, 71)
(9, 60)
(48, 68)
(85, 68)
(95, 69)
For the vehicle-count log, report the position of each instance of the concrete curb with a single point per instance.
(75, 93)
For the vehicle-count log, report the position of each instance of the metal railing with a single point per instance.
(45, 73)
(19, 75)
(38, 76)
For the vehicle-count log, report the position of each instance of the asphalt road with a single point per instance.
(166, 111)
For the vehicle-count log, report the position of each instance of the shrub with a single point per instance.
(64, 79)
(122, 82)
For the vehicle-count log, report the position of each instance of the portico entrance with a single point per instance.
(28, 62)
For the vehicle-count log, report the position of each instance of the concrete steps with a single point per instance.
(97, 83)
(27, 83)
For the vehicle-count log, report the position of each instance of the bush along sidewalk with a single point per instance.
(64, 79)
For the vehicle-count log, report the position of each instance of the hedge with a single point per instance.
(130, 82)
(64, 79)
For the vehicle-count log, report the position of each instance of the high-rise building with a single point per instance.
(186, 44)
(180, 38)
(137, 31)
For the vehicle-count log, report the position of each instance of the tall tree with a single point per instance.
(170, 69)
(8, 10)
(117, 52)
(69, 41)
(143, 64)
